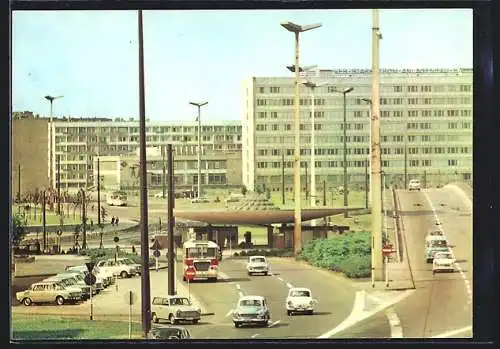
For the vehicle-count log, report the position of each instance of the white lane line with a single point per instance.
(289, 285)
(279, 278)
(274, 323)
(255, 335)
(457, 265)
(452, 333)
(238, 286)
(394, 323)
(229, 312)
(240, 293)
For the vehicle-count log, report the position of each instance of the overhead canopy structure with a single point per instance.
(240, 217)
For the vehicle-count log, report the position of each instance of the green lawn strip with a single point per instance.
(29, 327)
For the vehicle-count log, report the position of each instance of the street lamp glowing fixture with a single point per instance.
(51, 99)
(301, 69)
(312, 86)
(297, 231)
(198, 118)
(345, 92)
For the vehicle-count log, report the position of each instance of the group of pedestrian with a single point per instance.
(114, 220)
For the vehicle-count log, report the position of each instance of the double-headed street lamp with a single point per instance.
(51, 99)
(312, 86)
(344, 93)
(297, 234)
(198, 118)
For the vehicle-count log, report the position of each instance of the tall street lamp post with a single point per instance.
(369, 101)
(297, 234)
(199, 105)
(344, 93)
(51, 99)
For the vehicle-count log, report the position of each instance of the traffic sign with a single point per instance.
(156, 253)
(387, 250)
(90, 266)
(59, 232)
(116, 239)
(190, 273)
(130, 298)
(90, 279)
(156, 245)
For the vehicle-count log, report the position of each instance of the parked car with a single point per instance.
(257, 265)
(160, 195)
(122, 270)
(80, 276)
(251, 310)
(174, 309)
(202, 199)
(70, 282)
(443, 261)
(299, 300)
(171, 332)
(129, 262)
(106, 277)
(414, 184)
(48, 292)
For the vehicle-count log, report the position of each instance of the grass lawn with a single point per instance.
(56, 327)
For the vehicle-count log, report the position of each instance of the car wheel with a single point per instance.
(27, 301)
(184, 279)
(310, 312)
(59, 300)
(212, 279)
(237, 324)
(289, 312)
(265, 273)
(155, 318)
(265, 323)
(249, 274)
(172, 319)
(124, 274)
(195, 321)
(428, 260)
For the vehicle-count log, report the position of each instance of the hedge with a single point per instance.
(267, 253)
(347, 253)
(96, 254)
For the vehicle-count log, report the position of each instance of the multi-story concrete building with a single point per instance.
(122, 172)
(77, 143)
(425, 112)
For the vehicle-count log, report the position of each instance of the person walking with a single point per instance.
(116, 220)
(113, 220)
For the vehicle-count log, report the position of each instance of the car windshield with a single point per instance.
(258, 260)
(443, 256)
(180, 301)
(127, 261)
(166, 332)
(438, 243)
(301, 294)
(250, 303)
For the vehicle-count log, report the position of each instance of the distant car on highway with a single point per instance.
(251, 310)
(414, 184)
(171, 332)
(48, 292)
(174, 309)
(300, 300)
(257, 265)
(202, 199)
(433, 245)
(443, 261)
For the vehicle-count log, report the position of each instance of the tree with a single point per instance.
(18, 228)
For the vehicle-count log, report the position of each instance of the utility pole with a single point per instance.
(145, 284)
(84, 221)
(307, 196)
(324, 193)
(44, 222)
(171, 223)
(377, 258)
(406, 156)
(282, 177)
(164, 179)
(425, 179)
(19, 183)
(98, 191)
(58, 184)
(345, 159)
(366, 184)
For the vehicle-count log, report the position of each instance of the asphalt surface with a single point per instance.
(442, 303)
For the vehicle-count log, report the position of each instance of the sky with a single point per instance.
(91, 57)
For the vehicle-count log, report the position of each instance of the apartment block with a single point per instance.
(425, 113)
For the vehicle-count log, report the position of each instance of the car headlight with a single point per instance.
(178, 313)
(311, 303)
(290, 303)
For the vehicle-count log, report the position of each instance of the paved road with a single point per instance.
(442, 303)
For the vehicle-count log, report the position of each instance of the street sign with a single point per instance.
(90, 279)
(59, 232)
(90, 266)
(156, 245)
(116, 239)
(387, 250)
(156, 253)
(190, 273)
(130, 298)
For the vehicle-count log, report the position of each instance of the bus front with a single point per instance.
(202, 256)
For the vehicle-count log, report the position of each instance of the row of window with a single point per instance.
(154, 129)
(355, 163)
(396, 88)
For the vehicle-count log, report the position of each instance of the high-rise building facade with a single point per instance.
(425, 113)
(78, 142)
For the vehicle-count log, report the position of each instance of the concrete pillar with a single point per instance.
(270, 242)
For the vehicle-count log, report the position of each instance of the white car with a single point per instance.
(414, 184)
(443, 261)
(118, 269)
(300, 300)
(257, 265)
(199, 200)
(174, 309)
(129, 262)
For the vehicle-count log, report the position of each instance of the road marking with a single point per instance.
(238, 286)
(229, 312)
(274, 323)
(394, 323)
(279, 278)
(240, 293)
(457, 265)
(359, 314)
(452, 333)
(255, 335)
(289, 285)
